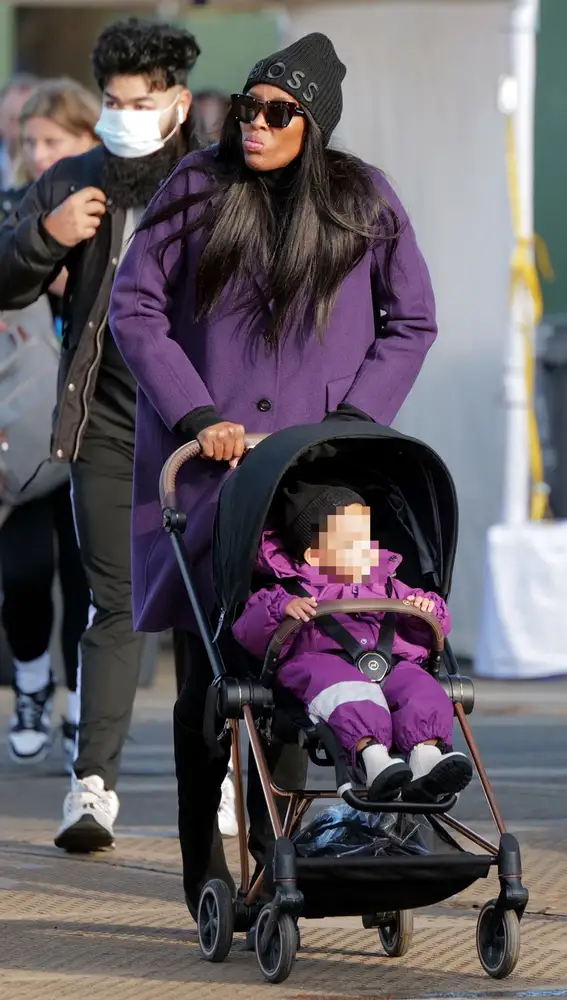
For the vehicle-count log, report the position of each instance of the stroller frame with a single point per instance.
(274, 923)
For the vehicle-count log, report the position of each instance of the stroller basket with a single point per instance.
(381, 889)
(350, 886)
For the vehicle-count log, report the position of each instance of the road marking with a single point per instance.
(522, 774)
(527, 773)
(517, 720)
(147, 785)
(489, 994)
(148, 750)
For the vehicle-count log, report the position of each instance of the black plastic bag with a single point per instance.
(341, 831)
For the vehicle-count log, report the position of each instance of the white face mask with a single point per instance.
(131, 134)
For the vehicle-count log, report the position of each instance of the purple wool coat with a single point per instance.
(265, 610)
(181, 363)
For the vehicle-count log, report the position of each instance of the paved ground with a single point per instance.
(117, 925)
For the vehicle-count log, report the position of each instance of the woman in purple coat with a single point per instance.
(273, 282)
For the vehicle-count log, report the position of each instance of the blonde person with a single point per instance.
(38, 538)
(13, 96)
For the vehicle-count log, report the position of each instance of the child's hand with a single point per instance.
(301, 608)
(422, 603)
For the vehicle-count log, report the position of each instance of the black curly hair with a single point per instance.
(135, 47)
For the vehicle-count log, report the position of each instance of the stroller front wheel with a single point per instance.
(396, 936)
(276, 958)
(215, 921)
(498, 940)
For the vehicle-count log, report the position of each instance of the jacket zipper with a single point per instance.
(82, 425)
(218, 629)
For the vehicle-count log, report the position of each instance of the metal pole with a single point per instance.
(525, 18)
(203, 623)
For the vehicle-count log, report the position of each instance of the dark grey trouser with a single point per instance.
(110, 649)
(199, 777)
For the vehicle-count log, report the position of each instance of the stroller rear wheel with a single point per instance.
(276, 958)
(215, 921)
(498, 940)
(396, 936)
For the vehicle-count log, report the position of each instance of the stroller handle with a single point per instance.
(170, 470)
(290, 625)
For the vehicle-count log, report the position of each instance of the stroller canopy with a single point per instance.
(404, 481)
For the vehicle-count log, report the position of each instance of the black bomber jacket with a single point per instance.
(30, 260)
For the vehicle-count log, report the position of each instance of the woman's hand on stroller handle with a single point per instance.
(223, 442)
(180, 456)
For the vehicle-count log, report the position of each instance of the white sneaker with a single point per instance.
(228, 825)
(29, 739)
(385, 776)
(89, 814)
(437, 774)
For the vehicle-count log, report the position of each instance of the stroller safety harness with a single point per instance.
(375, 664)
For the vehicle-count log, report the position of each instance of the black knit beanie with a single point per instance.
(311, 71)
(302, 510)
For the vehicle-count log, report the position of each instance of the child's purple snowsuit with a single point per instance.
(409, 708)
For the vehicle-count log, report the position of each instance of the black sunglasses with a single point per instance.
(278, 114)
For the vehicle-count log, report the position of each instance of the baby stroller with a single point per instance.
(410, 487)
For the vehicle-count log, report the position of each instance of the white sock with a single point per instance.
(375, 758)
(423, 759)
(33, 675)
(73, 707)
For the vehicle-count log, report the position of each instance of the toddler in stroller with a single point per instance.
(323, 551)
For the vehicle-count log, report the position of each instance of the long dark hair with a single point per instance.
(301, 231)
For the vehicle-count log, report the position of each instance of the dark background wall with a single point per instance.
(551, 149)
(52, 41)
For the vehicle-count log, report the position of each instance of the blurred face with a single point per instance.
(135, 93)
(212, 112)
(344, 552)
(44, 142)
(268, 148)
(10, 108)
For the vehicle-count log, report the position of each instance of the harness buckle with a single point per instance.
(374, 665)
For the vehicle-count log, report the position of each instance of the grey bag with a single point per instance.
(29, 359)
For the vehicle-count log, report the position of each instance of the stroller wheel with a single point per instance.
(276, 958)
(498, 940)
(215, 921)
(396, 936)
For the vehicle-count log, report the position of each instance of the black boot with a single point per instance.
(199, 776)
(199, 781)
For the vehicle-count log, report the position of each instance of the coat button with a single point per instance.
(71, 387)
(114, 261)
(90, 324)
(59, 453)
(264, 405)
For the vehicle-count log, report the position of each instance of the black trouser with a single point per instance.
(200, 777)
(110, 649)
(37, 540)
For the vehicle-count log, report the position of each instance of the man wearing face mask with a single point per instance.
(80, 216)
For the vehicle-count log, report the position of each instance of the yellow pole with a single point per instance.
(529, 255)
